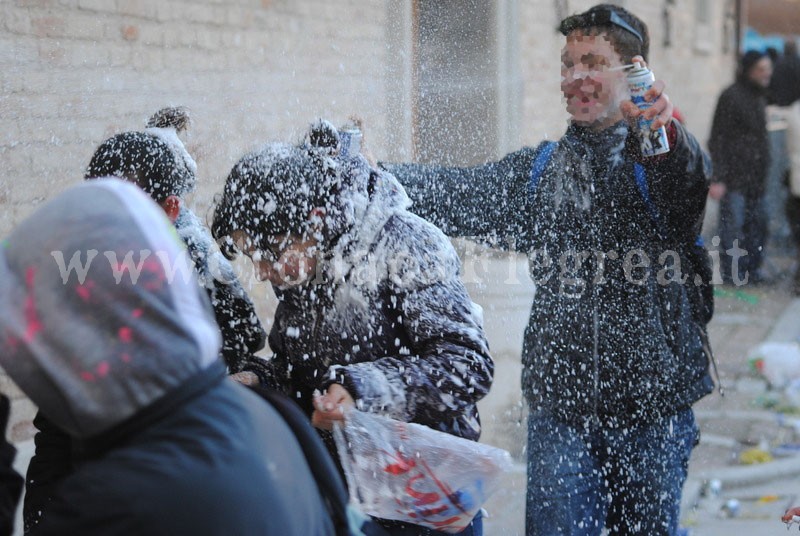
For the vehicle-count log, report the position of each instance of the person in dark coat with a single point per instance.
(371, 311)
(156, 161)
(739, 148)
(125, 360)
(784, 91)
(784, 87)
(612, 354)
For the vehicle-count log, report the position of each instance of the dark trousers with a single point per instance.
(743, 226)
(627, 480)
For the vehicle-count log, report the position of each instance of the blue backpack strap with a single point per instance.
(546, 149)
(644, 189)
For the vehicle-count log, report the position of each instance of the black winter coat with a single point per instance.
(392, 322)
(784, 88)
(739, 144)
(10, 481)
(210, 458)
(606, 341)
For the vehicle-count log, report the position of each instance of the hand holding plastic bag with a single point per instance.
(411, 473)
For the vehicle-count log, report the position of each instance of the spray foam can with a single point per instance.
(350, 141)
(653, 142)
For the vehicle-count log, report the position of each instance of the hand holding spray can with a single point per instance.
(653, 142)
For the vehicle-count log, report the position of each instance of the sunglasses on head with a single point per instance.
(599, 18)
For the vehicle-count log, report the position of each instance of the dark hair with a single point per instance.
(273, 190)
(146, 159)
(773, 53)
(628, 34)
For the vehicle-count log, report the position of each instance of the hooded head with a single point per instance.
(154, 159)
(755, 67)
(100, 314)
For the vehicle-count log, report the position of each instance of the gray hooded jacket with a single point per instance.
(120, 337)
(106, 329)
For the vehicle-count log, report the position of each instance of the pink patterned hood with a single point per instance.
(100, 312)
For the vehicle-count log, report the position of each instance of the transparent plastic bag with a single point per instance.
(411, 473)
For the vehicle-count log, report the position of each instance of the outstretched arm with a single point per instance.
(486, 201)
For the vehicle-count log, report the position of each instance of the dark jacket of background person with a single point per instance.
(739, 144)
(10, 481)
(164, 443)
(610, 351)
(784, 89)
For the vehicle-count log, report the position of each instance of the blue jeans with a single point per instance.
(401, 529)
(627, 480)
(742, 218)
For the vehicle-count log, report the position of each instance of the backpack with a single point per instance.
(347, 520)
(699, 289)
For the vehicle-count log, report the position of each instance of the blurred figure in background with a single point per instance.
(739, 148)
(785, 92)
(784, 88)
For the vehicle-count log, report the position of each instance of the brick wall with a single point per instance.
(73, 72)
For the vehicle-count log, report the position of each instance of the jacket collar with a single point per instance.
(193, 387)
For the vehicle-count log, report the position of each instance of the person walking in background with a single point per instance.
(785, 92)
(611, 364)
(125, 361)
(793, 185)
(372, 312)
(739, 148)
(784, 87)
